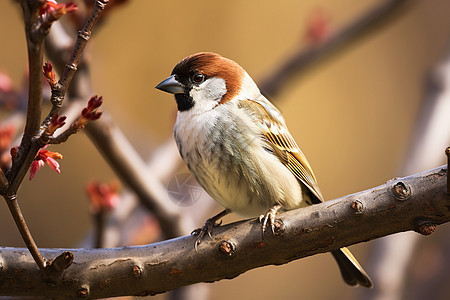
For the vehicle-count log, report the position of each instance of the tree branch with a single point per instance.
(418, 202)
(16, 212)
(59, 91)
(35, 49)
(132, 170)
(300, 61)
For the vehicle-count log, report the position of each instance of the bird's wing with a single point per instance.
(276, 134)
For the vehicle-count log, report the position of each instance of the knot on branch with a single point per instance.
(84, 35)
(357, 207)
(101, 3)
(10, 197)
(83, 291)
(227, 248)
(426, 227)
(72, 66)
(54, 269)
(401, 191)
(137, 271)
(56, 99)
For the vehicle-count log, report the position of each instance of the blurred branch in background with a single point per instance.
(418, 202)
(299, 63)
(431, 134)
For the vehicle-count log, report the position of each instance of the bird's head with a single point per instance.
(206, 80)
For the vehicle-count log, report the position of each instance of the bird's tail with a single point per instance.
(351, 270)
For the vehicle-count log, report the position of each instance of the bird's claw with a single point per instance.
(206, 229)
(269, 219)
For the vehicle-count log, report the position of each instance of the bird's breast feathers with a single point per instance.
(228, 155)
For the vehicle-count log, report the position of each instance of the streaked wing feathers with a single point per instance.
(277, 135)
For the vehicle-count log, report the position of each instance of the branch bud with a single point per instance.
(49, 73)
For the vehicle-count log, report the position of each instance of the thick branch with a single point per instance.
(417, 202)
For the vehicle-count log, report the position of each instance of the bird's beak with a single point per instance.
(171, 85)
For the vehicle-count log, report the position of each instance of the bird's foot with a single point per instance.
(269, 219)
(207, 228)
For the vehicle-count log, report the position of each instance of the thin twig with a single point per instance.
(59, 91)
(22, 162)
(16, 212)
(22, 168)
(35, 56)
(417, 202)
(61, 138)
(99, 227)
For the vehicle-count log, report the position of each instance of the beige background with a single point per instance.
(352, 115)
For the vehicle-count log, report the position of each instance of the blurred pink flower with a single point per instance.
(6, 135)
(318, 28)
(57, 9)
(5, 83)
(103, 196)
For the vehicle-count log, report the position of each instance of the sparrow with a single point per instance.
(238, 147)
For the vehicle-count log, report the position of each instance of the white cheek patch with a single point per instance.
(212, 90)
(249, 89)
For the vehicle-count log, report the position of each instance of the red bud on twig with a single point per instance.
(90, 112)
(57, 122)
(49, 73)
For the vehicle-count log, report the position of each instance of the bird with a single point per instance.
(236, 144)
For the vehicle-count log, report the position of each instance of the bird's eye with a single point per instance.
(198, 78)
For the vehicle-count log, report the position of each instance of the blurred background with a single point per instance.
(353, 114)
